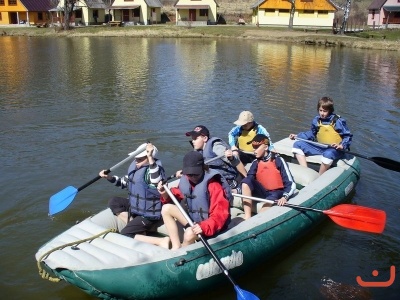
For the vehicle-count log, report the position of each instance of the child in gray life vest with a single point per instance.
(269, 177)
(326, 128)
(141, 210)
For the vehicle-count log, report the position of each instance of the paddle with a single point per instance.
(346, 215)
(240, 293)
(61, 200)
(383, 162)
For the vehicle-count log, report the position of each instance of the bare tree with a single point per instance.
(68, 9)
(346, 8)
(107, 5)
(292, 10)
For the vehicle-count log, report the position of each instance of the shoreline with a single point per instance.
(322, 37)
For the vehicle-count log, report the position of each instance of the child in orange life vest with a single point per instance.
(269, 177)
(326, 128)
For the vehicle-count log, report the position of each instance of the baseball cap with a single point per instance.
(193, 163)
(259, 139)
(198, 130)
(144, 153)
(244, 118)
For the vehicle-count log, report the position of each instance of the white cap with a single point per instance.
(144, 153)
(244, 118)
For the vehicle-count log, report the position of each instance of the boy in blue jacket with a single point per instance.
(326, 128)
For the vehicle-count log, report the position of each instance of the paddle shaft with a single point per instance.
(208, 247)
(273, 202)
(346, 215)
(383, 162)
(206, 162)
(133, 154)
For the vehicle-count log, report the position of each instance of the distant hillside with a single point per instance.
(231, 9)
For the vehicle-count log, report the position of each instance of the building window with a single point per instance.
(40, 16)
(2, 2)
(136, 12)
(78, 14)
(12, 2)
(1, 17)
(203, 13)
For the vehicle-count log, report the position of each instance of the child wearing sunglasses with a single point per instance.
(269, 176)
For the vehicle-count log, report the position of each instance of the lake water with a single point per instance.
(73, 106)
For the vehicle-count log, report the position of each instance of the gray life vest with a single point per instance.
(197, 198)
(224, 168)
(144, 199)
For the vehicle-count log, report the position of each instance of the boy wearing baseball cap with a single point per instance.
(213, 147)
(239, 136)
(205, 194)
(268, 177)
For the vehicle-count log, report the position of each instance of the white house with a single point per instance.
(196, 12)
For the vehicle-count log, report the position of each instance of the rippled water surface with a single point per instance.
(73, 106)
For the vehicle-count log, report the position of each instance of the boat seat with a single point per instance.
(285, 146)
(302, 176)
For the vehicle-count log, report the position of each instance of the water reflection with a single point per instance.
(71, 106)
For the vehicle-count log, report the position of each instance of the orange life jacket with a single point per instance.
(269, 176)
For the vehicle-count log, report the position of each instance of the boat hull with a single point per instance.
(192, 269)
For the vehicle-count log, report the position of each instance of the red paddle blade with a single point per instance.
(358, 217)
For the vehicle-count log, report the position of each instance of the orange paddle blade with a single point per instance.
(358, 217)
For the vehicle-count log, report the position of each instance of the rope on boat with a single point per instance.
(46, 275)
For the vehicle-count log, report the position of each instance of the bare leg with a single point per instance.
(247, 204)
(241, 169)
(189, 237)
(266, 206)
(158, 241)
(301, 159)
(323, 168)
(169, 213)
(123, 216)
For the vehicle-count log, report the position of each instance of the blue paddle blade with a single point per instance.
(60, 201)
(244, 295)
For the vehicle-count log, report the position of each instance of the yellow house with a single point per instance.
(143, 12)
(315, 13)
(24, 11)
(196, 12)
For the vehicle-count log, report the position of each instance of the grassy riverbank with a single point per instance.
(380, 40)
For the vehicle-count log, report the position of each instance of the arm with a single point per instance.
(218, 211)
(289, 186)
(165, 197)
(233, 136)
(344, 131)
(228, 157)
(117, 181)
(261, 130)
(253, 170)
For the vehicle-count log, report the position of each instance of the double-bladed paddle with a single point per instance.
(240, 293)
(383, 162)
(61, 200)
(346, 215)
